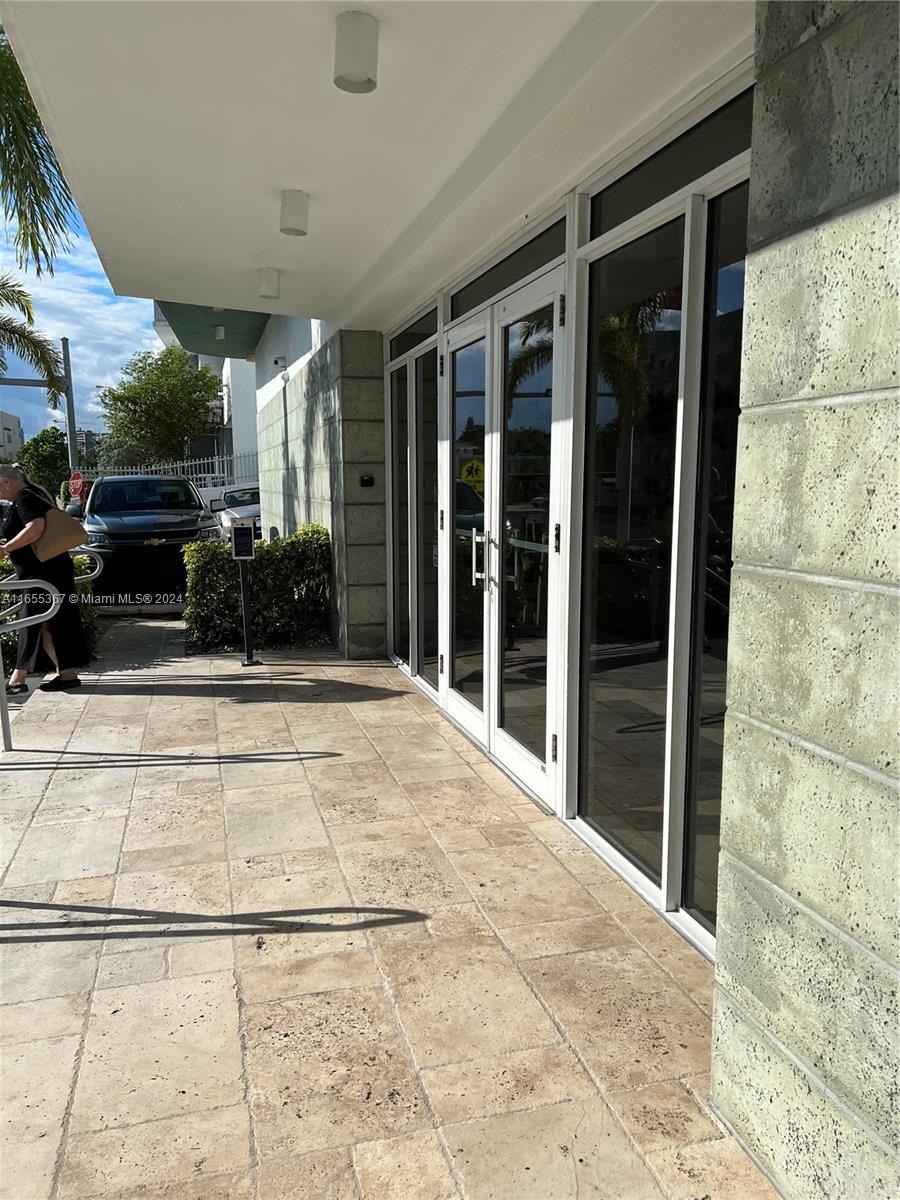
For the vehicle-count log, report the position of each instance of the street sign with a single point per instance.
(243, 544)
(473, 473)
(76, 483)
(243, 548)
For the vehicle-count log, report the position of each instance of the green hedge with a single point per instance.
(290, 581)
(89, 618)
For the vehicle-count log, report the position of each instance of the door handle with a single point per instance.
(514, 578)
(476, 574)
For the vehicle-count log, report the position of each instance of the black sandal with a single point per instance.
(58, 684)
(16, 689)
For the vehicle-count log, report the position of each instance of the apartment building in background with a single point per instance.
(11, 435)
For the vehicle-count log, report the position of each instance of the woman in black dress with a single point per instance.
(59, 641)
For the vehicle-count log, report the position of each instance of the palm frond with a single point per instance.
(13, 295)
(19, 338)
(33, 190)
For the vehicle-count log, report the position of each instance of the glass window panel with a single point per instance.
(469, 416)
(534, 254)
(427, 499)
(713, 141)
(634, 348)
(400, 500)
(410, 337)
(527, 427)
(719, 412)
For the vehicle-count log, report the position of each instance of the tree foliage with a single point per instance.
(46, 459)
(160, 402)
(33, 190)
(18, 336)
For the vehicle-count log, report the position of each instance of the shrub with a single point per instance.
(89, 617)
(290, 584)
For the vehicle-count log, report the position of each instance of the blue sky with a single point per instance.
(103, 331)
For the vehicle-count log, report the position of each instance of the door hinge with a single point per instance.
(553, 748)
(441, 525)
(557, 534)
(562, 309)
(440, 664)
(441, 365)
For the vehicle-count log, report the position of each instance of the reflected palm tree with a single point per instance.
(621, 354)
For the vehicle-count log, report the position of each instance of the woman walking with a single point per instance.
(59, 642)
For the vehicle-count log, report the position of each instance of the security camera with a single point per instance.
(281, 361)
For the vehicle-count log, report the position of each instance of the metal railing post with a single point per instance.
(22, 585)
(7, 624)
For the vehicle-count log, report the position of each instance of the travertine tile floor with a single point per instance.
(284, 933)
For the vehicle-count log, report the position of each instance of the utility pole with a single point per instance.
(70, 401)
(70, 408)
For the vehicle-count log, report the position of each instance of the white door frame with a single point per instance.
(537, 776)
(475, 329)
(488, 325)
(691, 203)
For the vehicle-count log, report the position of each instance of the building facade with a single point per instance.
(607, 451)
(13, 439)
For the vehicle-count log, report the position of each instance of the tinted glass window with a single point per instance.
(719, 411)
(400, 472)
(534, 254)
(634, 321)
(143, 495)
(410, 337)
(427, 501)
(242, 497)
(721, 136)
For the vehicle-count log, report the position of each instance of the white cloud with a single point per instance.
(103, 331)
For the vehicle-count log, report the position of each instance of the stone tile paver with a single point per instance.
(284, 933)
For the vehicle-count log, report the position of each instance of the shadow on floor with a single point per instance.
(149, 923)
(99, 759)
(277, 690)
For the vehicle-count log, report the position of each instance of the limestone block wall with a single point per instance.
(317, 437)
(805, 1061)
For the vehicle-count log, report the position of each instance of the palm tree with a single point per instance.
(33, 190)
(18, 336)
(620, 353)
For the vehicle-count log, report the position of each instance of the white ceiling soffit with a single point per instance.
(178, 125)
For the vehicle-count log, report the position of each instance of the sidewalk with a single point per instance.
(283, 933)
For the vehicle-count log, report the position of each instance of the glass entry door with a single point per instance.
(503, 371)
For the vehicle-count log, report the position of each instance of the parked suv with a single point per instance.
(138, 524)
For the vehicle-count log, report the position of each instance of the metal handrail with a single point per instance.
(9, 621)
(22, 585)
(78, 552)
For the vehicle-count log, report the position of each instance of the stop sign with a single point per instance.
(75, 483)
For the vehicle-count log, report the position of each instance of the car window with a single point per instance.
(143, 495)
(467, 499)
(242, 496)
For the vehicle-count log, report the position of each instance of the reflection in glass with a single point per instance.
(400, 500)
(527, 421)
(634, 330)
(427, 499)
(712, 562)
(469, 559)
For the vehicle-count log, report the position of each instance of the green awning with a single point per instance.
(195, 327)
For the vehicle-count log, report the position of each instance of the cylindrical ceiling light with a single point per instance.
(269, 283)
(294, 213)
(220, 333)
(356, 52)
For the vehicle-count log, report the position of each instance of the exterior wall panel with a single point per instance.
(317, 437)
(806, 1023)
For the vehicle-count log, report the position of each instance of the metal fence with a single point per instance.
(222, 470)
